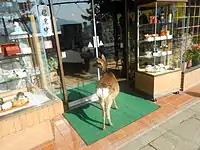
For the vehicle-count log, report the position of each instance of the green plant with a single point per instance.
(52, 64)
(188, 55)
(196, 53)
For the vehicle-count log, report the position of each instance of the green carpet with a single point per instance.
(87, 120)
(80, 92)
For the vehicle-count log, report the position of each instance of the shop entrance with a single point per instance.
(76, 34)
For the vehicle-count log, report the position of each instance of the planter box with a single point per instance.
(29, 128)
(158, 85)
(190, 78)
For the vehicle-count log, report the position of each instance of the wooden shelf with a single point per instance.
(193, 6)
(195, 35)
(188, 27)
(186, 17)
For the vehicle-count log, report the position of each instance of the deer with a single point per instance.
(107, 90)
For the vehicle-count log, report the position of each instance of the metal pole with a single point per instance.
(126, 39)
(155, 31)
(65, 101)
(95, 36)
(138, 40)
(38, 52)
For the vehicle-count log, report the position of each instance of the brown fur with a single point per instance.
(108, 81)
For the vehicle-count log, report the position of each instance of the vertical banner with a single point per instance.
(45, 21)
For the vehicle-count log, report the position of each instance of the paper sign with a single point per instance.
(48, 44)
(64, 55)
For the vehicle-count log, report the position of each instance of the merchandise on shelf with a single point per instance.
(21, 74)
(159, 48)
(21, 101)
(156, 38)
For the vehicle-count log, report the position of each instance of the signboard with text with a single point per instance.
(45, 21)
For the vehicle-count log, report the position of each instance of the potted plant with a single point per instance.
(196, 56)
(186, 45)
(52, 64)
(187, 59)
(53, 67)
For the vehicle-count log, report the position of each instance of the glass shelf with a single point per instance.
(158, 38)
(158, 73)
(13, 56)
(153, 24)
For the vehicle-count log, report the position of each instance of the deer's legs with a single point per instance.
(108, 106)
(103, 114)
(116, 107)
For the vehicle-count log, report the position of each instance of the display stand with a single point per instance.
(158, 70)
(30, 127)
(27, 107)
(158, 85)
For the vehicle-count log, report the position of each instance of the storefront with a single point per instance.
(148, 38)
(191, 59)
(78, 48)
(153, 44)
(27, 105)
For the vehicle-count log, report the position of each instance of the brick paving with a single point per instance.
(67, 139)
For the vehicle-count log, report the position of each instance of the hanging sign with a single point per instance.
(45, 21)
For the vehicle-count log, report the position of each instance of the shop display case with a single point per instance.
(158, 52)
(26, 103)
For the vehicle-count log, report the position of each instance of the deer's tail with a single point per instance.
(103, 93)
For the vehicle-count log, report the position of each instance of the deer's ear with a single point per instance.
(103, 57)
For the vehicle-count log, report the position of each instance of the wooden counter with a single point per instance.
(29, 128)
(158, 85)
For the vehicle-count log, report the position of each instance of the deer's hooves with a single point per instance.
(110, 124)
(116, 108)
(104, 127)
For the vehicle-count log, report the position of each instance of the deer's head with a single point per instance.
(101, 63)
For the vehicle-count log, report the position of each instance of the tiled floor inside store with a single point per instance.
(67, 139)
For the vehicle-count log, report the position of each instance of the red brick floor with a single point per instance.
(67, 139)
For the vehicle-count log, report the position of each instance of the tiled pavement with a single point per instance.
(181, 131)
(67, 139)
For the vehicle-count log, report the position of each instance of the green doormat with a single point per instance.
(80, 92)
(87, 120)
